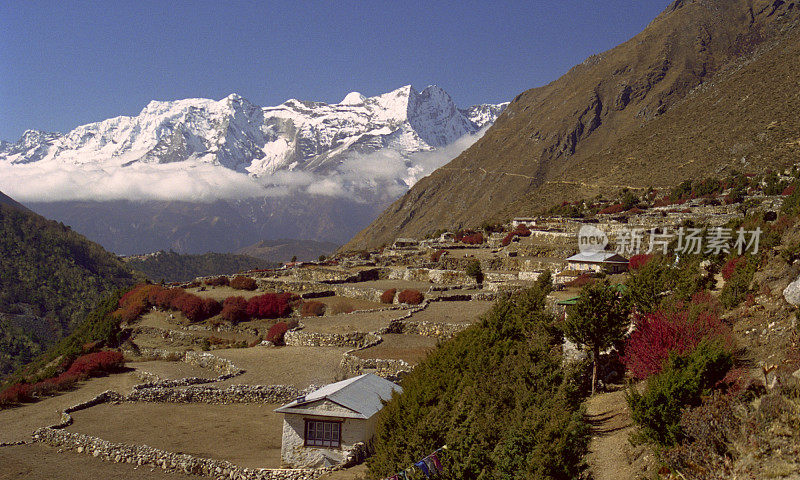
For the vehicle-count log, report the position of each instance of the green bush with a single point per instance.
(681, 384)
(738, 285)
(523, 423)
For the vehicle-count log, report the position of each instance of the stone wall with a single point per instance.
(169, 462)
(268, 394)
(300, 338)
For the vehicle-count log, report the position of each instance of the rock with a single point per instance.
(792, 292)
(80, 450)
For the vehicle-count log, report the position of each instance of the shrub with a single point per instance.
(410, 296)
(738, 285)
(435, 256)
(269, 305)
(313, 309)
(473, 239)
(522, 230)
(220, 281)
(388, 295)
(581, 281)
(234, 310)
(211, 307)
(658, 335)
(17, 393)
(95, 364)
(618, 208)
(508, 239)
(730, 267)
(682, 383)
(240, 282)
(638, 261)
(474, 270)
(276, 333)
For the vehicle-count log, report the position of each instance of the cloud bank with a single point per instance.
(382, 175)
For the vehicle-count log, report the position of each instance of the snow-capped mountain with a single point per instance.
(240, 136)
(200, 175)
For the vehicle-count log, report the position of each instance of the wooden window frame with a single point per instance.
(307, 441)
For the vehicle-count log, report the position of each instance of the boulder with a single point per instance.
(792, 292)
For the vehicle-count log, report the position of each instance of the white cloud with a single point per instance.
(363, 177)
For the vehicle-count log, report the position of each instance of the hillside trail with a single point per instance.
(610, 421)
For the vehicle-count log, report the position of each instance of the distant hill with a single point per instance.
(708, 87)
(284, 250)
(175, 267)
(51, 277)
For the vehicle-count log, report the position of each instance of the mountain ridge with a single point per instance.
(583, 134)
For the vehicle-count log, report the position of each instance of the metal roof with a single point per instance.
(364, 395)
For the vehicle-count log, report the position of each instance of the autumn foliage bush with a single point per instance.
(234, 310)
(220, 281)
(638, 261)
(241, 282)
(580, 281)
(276, 333)
(195, 308)
(435, 256)
(473, 239)
(730, 267)
(658, 335)
(269, 305)
(507, 239)
(85, 366)
(410, 296)
(388, 295)
(312, 309)
(618, 208)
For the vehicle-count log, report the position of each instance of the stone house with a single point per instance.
(610, 262)
(323, 427)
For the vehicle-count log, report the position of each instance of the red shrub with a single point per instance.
(220, 281)
(95, 364)
(276, 333)
(211, 307)
(658, 334)
(234, 310)
(269, 305)
(388, 295)
(618, 208)
(313, 309)
(435, 256)
(17, 393)
(473, 239)
(788, 190)
(730, 267)
(130, 312)
(638, 261)
(411, 297)
(522, 230)
(243, 283)
(583, 279)
(507, 239)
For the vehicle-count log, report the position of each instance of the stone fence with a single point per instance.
(224, 367)
(233, 394)
(169, 462)
(300, 338)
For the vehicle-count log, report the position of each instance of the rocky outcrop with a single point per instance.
(792, 292)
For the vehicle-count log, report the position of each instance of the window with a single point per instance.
(322, 434)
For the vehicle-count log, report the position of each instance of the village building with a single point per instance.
(405, 243)
(527, 221)
(322, 428)
(609, 262)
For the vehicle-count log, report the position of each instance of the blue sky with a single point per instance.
(64, 64)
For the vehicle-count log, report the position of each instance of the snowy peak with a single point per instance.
(235, 134)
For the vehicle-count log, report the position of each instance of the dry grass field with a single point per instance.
(37, 461)
(298, 366)
(411, 348)
(354, 322)
(452, 312)
(244, 434)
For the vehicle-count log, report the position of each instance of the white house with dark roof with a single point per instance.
(598, 261)
(321, 428)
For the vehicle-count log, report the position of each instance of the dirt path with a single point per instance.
(610, 419)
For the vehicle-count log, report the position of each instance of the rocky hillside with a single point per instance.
(709, 86)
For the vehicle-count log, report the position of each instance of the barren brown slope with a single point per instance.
(681, 99)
